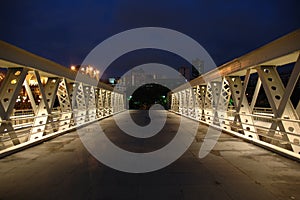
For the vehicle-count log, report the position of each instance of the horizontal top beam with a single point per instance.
(279, 52)
(12, 57)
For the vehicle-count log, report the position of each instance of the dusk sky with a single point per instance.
(66, 31)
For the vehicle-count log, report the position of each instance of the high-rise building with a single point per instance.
(186, 72)
(138, 77)
(198, 68)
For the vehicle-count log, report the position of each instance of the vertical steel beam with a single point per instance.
(242, 106)
(255, 95)
(104, 102)
(108, 102)
(44, 110)
(172, 102)
(196, 103)
(118, 102)
(290, 88)
(208, 106)
(122, 105)
(9, 91)
(30, 95)
(201, 89)
(80, 101)
(176, 98)
(222, 105)
(180, 110)
(243, 92)
(275, 92)
(90, 103)
(190, 103)
(63, 95)
(216, 87)
(99, 101)
(112, 102)
(298, 108)
(183, 99)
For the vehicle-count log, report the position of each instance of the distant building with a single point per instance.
(112, 81)
(198, 68)
(132, 80)
(138, 77)
(120, 84)
(186, 72)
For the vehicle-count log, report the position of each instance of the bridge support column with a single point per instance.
(119, 102)
(79, 104)
(175, 102)
(208, 106)
(220, 99)
(43, 117)
(282, 107)
(222, 104)
(179, 102)
(113, 104)
(107, 103)
(243, 111)
(196, 103)
(200, 97)
(90, 103)
(180, 95)
(255, 95)
(100, 105)
(190, 102)
(9, 92)
(63, 95)
(30, 94)
(216, 87)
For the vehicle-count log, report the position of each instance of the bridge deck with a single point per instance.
(63, 169)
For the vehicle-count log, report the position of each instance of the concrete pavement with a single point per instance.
(63, 169)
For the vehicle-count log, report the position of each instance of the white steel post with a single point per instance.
(63, 95)
(9, 92)
(45, 107)
(276, 92)
(243, 111)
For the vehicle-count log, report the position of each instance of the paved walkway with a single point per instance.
(63, 169)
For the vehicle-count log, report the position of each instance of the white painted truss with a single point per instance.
(55, 103)
(277, 127)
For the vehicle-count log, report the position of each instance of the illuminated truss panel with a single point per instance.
(219, 97)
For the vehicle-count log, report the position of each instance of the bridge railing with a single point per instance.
(38, 102)
(209, 97)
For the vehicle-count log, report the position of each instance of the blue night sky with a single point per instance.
(66, 31)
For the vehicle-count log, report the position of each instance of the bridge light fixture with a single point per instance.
(73, 68)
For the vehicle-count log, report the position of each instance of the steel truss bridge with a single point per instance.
(205, 99)
(81, 100)
(277, 127)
